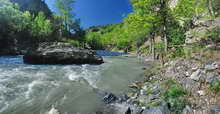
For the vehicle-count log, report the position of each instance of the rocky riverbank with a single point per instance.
(182, 86)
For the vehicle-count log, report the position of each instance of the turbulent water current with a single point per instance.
(34, 89)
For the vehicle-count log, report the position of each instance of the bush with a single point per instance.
(93, 39)
(215, 87)
(174, 96)
(175, 34)
(41, 27)
(123, 44)
(11, 19)
(179, 52)
(75, 43)
(214, 35)
(159, 47)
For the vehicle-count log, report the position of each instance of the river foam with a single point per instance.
(27, 89)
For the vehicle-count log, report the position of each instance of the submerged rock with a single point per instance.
(61, 53)
(109, 98)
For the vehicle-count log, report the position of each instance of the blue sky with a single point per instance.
(99, 12)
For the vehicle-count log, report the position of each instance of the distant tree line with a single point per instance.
(155, 21)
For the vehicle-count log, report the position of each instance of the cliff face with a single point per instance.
(34, 6)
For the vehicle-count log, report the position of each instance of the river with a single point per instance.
(34, 89)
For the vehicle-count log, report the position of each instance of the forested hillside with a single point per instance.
(26, 23)
(33, 6)
(154, 25)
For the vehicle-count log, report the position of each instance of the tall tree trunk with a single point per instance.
(152, 45)
(164, 27)
(165, 40)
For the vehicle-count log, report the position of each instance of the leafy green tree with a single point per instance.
(94, 40)
(65, 8)
(213, 7)
(41, 27)
(11, 20)
(11, 23)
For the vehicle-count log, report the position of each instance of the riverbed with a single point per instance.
(72, 89)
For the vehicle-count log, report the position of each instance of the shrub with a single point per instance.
(159, 47)
(174, 96)
(179, 52)
(175, 34)
(75, 43)
(93, 39)
(41, 27)
(123, 44)
(214, 35)
(215, 87)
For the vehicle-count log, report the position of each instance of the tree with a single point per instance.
(213, 7)
(41, 27)
(11, 19)
(11, 23)
(65, 8)
(163, 12)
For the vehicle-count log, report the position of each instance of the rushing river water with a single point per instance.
(34, 89)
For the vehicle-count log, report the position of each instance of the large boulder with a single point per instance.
(61, 53)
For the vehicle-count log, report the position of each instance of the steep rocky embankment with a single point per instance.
(183, 86)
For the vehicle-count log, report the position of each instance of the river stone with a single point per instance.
(61, 53)
(118, 108)
(196, 75)
(109, 98)
(187, 110)
(157, 110)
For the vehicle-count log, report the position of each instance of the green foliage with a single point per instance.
(65, 8)
(174, 96)
(178, 52)
(159, 47)
(75, 43)
(134, 28)
(175, 34)
(214, 35)
(94, 40)
(215, 87)
(216, 5)
(41, 27)
(186, 9)
(174, 92)
(11, 19)
(123, 44)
